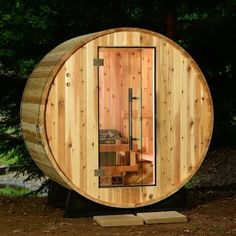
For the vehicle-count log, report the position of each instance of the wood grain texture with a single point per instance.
(59, 114)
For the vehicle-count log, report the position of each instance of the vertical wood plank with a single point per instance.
(176, 114)
(183, 119)
(81, 98)
(163, 116)
(61, 118)
(92, 118)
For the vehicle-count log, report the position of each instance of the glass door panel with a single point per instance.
(126, 117)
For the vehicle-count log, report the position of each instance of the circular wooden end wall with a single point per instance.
(124, 117)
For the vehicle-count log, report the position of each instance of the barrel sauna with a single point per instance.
(123, 117)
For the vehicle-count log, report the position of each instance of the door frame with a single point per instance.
(154, 119)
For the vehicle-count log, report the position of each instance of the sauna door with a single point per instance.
(126, 117)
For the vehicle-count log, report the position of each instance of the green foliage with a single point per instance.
(207, 30)
(29, 29)
(12, 148)
(8, 159)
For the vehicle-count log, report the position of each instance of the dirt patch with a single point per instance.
(211, 209)
(33, 216)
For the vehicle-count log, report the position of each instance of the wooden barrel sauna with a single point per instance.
(124, 116)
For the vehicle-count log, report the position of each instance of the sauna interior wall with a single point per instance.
(184, 120)
(124, 68)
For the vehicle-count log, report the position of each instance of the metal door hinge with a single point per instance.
(98, 62)
(99, 172)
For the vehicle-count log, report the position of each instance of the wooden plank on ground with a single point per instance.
(118, 220)
(162, 217)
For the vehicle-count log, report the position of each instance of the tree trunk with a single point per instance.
(170, 18)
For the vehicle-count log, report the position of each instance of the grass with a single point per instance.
(13, 191)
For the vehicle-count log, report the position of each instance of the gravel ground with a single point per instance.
(11, 179)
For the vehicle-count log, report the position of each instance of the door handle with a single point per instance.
(140, 119)
(130, 118)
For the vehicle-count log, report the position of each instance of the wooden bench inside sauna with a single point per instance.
(121, 166)
(123, 117)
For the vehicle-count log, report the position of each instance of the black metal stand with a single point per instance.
(79, 206)
(57, 195)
